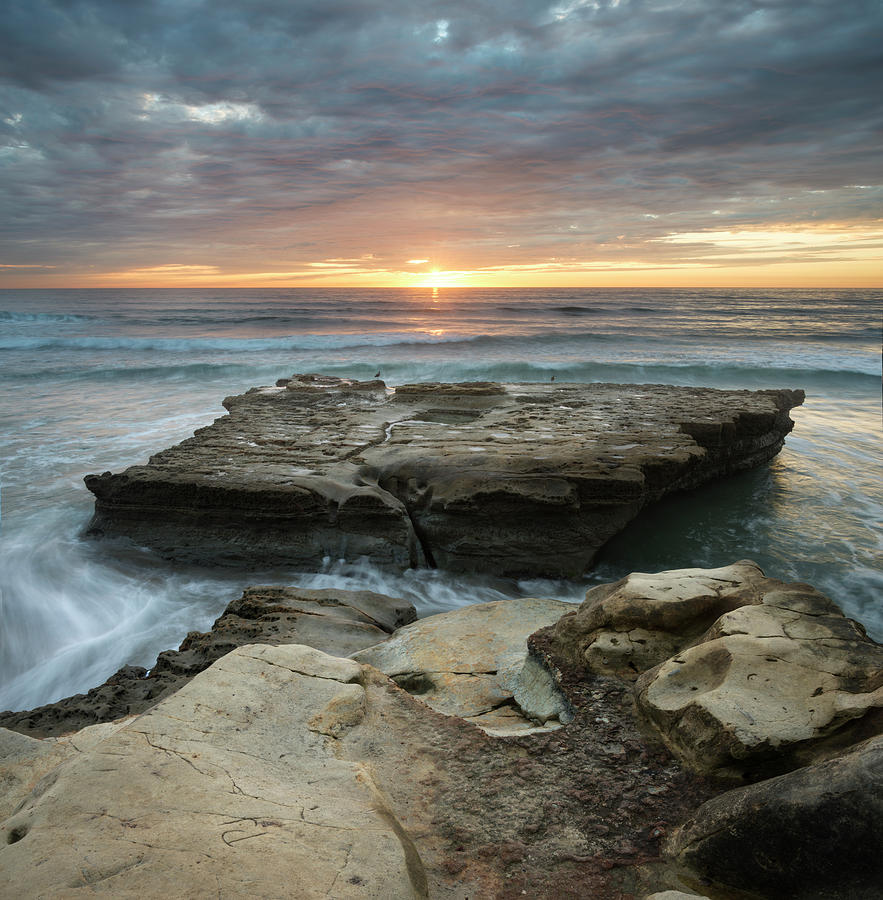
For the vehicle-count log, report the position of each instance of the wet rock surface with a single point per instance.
(514, 479)
(334, 621)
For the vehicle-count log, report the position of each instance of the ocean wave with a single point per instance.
(579, 310)
(228, 344)
(697, 374)
(10, 316)
(162, 372)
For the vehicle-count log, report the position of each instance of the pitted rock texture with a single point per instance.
(631, 625)
(513, 479)
(334, 621)
(813, 834)
(769, 687)
(742, 675)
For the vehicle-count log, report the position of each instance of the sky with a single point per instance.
(231, 143)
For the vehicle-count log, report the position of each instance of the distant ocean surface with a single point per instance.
(97, 380)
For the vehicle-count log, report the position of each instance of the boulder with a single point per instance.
(517, 479)
(814, 833)
(769, 687)
(471, 661)
(334, 621)
(625, 628)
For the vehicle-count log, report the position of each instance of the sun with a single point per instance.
(438, 279)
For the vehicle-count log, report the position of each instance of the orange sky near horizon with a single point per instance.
(806, 257)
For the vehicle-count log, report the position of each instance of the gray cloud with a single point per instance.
(280, 132)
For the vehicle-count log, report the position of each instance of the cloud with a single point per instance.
(272, 135)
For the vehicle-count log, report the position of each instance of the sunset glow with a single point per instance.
(580, 144)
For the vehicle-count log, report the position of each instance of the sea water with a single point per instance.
(98, 380)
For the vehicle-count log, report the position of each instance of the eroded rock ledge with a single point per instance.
(513, 479)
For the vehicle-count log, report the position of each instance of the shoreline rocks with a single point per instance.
(281, 759)
(334, 621)
(516, 479)
(741, 675)
(280, 771)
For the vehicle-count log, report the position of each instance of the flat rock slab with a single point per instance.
(471, 663)
(249, 800)
(516, 479)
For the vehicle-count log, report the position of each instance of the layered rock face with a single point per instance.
(513, 479)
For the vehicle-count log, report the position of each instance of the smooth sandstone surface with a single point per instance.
(470, 662)
(334, 621)
(248, 800)
(25, 760)
(513, 479)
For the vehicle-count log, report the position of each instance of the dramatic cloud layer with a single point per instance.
(250, 141)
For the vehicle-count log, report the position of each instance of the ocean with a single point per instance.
(92, 380)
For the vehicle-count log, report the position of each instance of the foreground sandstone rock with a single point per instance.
(283, 772)
(629, 626)
(338, 622)
(225, 804)
(743, 676)
(769, 687)
(281, 760)
(471, 663)
(513, 479)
